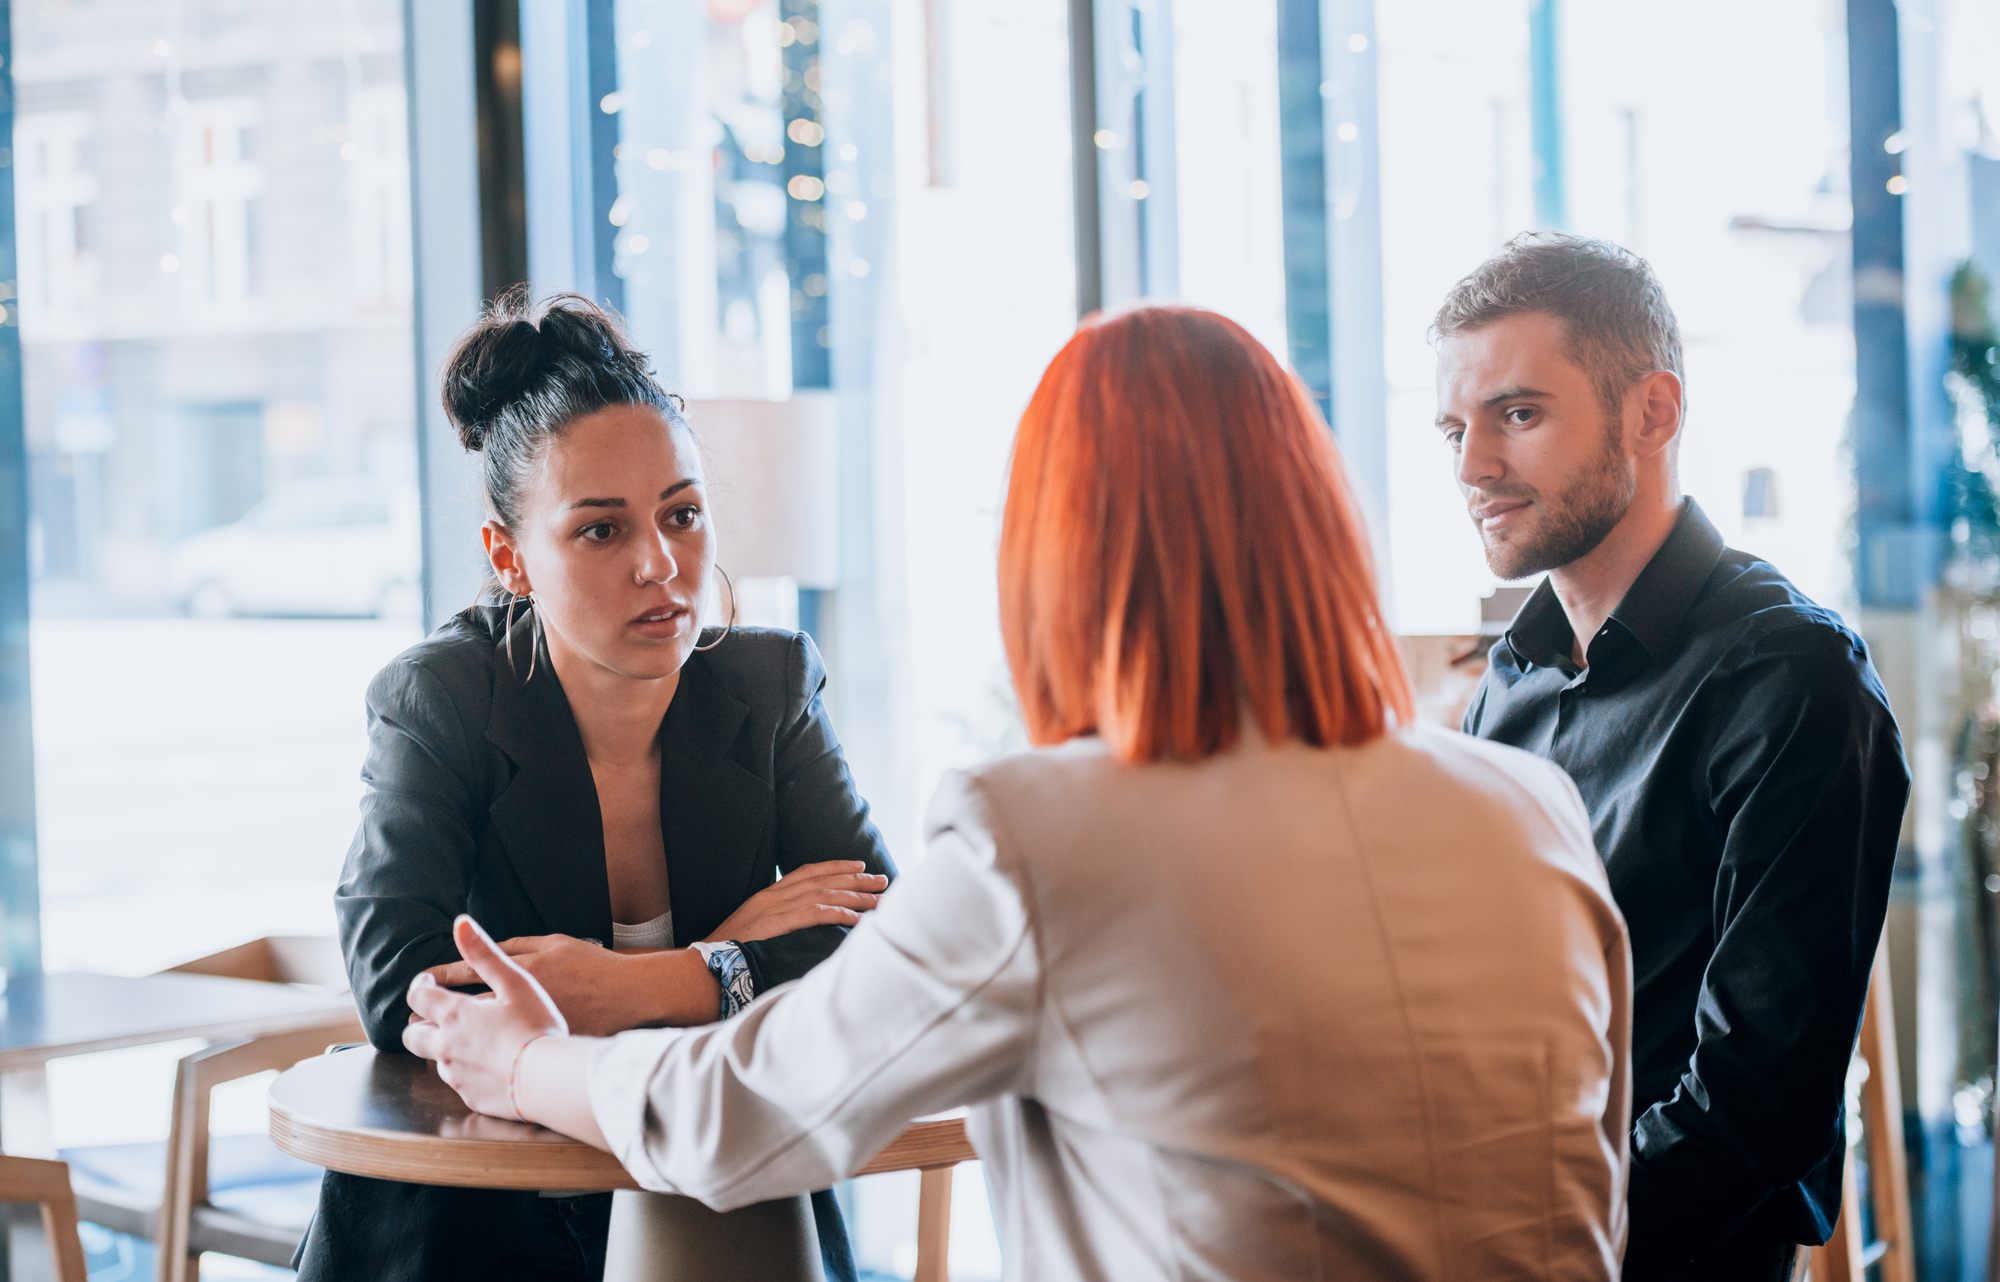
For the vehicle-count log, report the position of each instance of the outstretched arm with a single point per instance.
(932, 1003)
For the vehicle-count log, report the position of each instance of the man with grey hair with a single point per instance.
(1731, 740)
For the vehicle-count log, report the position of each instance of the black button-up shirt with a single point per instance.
(1746, 786)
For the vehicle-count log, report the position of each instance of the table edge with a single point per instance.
(476, 1163)
(331, 1017)
(458, 1163)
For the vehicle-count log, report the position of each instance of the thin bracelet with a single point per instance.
(514, 1075)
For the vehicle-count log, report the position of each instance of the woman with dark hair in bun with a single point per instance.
(654, 816)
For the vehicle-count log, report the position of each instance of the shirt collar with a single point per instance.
(1658, 601)
(1654, 606)
(1540, 632)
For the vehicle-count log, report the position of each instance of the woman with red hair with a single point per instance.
(1245, 974)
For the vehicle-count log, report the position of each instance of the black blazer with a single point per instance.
(480, 800)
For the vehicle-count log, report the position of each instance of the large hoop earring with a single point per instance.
(535, 644)
(730, 626)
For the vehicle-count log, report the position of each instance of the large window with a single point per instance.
(215, 319)
(1226, 125)
(1736, 193)
(703, 203)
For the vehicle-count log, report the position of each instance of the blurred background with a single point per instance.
(852, 233)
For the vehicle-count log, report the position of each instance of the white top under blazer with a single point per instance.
(1354, 1013)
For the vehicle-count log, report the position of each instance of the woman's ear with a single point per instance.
(505, 558)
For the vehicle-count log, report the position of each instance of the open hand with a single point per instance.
(834, 893)
(475, 1041)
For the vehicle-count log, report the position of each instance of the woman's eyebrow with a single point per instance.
(667, 493)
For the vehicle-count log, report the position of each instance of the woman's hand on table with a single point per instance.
(834, 893)
(507, 1053)
(601, 992)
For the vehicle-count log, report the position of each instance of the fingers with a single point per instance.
(430, 1002)
(511, 984)
(863, 883)
(456, 974)
(859, 900)
(805, 915)
(460, 974)
(832, 868)
(522, 945)
(492, 967)
(422, 1040)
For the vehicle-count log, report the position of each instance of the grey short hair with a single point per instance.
(1612, 307)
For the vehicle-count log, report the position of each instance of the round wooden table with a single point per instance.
(393, 1118)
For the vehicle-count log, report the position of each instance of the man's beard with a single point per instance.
(1574, 523)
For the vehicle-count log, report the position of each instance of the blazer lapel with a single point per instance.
(548, 818)
(714, 812)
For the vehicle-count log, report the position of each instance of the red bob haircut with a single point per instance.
(1180, 549)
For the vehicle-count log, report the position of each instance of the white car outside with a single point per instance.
(343, 545)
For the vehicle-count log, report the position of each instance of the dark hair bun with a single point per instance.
(519, 346)
(494, 365)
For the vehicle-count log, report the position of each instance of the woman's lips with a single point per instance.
(664, 622)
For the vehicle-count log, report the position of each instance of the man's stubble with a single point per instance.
(1579, 518)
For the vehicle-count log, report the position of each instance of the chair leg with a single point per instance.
(184, 1266)
(1882, 1112)
(187, 1140)
(934, 1225)
(32, 1179)
(65, 1247)
(1840, 1259)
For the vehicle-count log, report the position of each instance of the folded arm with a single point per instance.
(601, 991)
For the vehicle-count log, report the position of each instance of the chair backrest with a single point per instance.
(31, 1179)
(186, 1184)
(276, 959)
(1846, 1257)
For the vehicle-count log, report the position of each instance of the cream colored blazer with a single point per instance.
(1357, 1013)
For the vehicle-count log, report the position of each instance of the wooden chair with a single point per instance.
(933, 1225)
(32, 1179)
(275, 959)
(177, 1213)
(1846, 1257)
(189, 1220)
